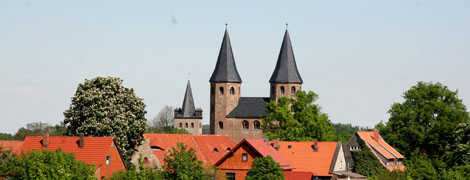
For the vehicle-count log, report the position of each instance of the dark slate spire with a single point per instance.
(225, 69)
(286, 68)
(188, 108)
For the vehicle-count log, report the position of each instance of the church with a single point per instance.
(230, 113)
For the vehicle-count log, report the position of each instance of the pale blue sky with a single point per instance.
(359, 56)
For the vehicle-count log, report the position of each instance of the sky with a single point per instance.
(358, 56)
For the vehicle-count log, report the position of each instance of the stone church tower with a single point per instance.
(225, 88)
(188, 117)
(286, 79)
(240, 117)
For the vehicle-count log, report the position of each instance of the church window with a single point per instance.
(221, 125)
(192, 125)
(257, 125)
(245, 124)
(181, 125)
(292, 90)
(232, 91)
(186, 125)
(282, 89)
(221, 89)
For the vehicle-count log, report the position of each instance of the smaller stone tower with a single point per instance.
(286, 79)
(188, 117)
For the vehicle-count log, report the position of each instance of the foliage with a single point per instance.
(6, 136)
(365, 162)
(420, 167)
(426, 121)
(265, 168)
(344, 131)
(104, 107)
(459, 153)
(297, 119)
(6, 157)
(182, 164)
(164, 119)
(457, 173)
(47, 165)
(38, 129)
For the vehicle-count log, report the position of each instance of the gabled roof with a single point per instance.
(260, 146)
(249, 107)
(302, 156)
(14, 146)
(188, 108)
(383, 148)
(95, 149)
(204, 145)
(380, 145)
(225, 69)
(286, 67)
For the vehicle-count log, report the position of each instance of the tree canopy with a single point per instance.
(104, 107)
(426, 121)
(182, 164)
(294, 119)
(265, 168)
(46, 165)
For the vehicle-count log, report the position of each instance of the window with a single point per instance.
(212, 90)
(232, 91)
(230, 176)
(257, 125)
(221, 125)
(108, 160)
(292, 90)
(244, 157)
(181, 125)
(146, 160)
(228, 150)
(282, 89)
(221, 89)
(245, 124)
(192, 125)
(186, 125)
(215, 150)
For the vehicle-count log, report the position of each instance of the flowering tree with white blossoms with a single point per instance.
(103, 107)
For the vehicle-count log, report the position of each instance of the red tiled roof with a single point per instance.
(297, 175)
(94, 150)
(202, 144)
(381, 146)
(302, 156)
(14, 146)
(263, 149)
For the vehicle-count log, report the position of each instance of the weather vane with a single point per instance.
(226, 25)
(287, 25)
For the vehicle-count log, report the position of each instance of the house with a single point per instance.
(386, 154)
(102, 151)
(13, 146)
(208, 148)
(240, 117)
(324, 160)
(237, 162)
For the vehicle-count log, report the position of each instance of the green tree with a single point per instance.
(47, 165)
(420, 167)
(104, 107)
(182, 164)
(265, 168)
(297, 119)
(6, 136)
(459, 153)
(164, 119)
(426, 121)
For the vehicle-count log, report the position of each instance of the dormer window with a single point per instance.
(215, 150)
(228, 150)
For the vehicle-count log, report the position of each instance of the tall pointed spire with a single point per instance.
(225, 69)
(188, 102)
(286, 68)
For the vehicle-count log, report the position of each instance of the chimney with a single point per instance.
(315, 146)
(81, 142)
(276, 144)
(376, 135)
(45, 140)
(265, 139)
